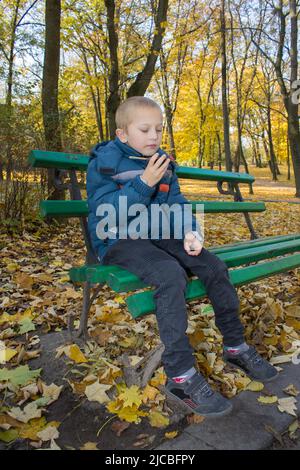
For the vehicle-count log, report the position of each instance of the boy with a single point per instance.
(134, 166)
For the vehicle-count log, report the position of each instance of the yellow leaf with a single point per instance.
(267, 400)
(255, 386)
(119, 299)
(171, 435)
(12, 267)
(158, 379)
(157, 420)
(73, 352)
(89, 446)
(5, 317)
(242, 382)
(114, 406)
(293, 427)
(70, 293)
(271, 341)
(30, 430)
(128, 342)
(7, 354)
(131, 396)
(131, 414)
(149, 393)
(293, 323)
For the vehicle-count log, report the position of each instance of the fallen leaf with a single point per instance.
(20, 375)
(288, 405)
(89, 446)
(171, 435)
(149, 393)
(291, 390)
(8, 436)
(29, 430)
(131, 396)
(30, 411)
(158, 420)
(97, 392)
(267, 400)
(24, 280)
(51, 392)
(73, 352)
(195, 419)
(293, 427)
(255, 386)
(49, 433)
(6, 354)
(25, 326)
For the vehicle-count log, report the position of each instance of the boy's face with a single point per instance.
(144, 133)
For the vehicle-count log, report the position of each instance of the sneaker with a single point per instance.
(253, 364)
(197, 396)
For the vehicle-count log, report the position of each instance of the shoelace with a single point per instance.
(255, 358)
(205, 391)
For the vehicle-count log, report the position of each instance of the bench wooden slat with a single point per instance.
(59, 160)
(214, 207)
(68, 161)
(99, 273)
(252, 243)
(143, 303)
(123, 281)
(187, 172)
(96, 273)
(80, 208)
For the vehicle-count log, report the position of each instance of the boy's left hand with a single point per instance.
(192, 245)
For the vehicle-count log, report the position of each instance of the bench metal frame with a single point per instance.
(68, 164)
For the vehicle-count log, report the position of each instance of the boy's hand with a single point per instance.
(155, 169)
(192, 245)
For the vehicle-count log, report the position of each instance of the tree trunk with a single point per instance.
(293, 120)
(288, 158)
(139, 87)
(8, 101)
(272, 161)
(143, 79)
(228, 159)
(50, 88)
(113, 99)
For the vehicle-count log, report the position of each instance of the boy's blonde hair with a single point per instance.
(125, 111)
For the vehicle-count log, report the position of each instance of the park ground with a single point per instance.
(58, 393)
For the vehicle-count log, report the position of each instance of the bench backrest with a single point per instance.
(77, 207)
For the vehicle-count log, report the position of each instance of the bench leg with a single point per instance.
(85, 310)
(86, 305)
(253, 233)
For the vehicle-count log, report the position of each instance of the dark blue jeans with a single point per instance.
(164, 264)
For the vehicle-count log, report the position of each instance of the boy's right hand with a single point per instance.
(155, 169)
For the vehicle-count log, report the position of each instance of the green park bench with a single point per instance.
(281, 252)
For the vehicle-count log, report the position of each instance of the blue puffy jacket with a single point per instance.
(112, 174)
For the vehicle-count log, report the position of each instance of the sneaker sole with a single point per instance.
(193, 410)
(235, 366)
